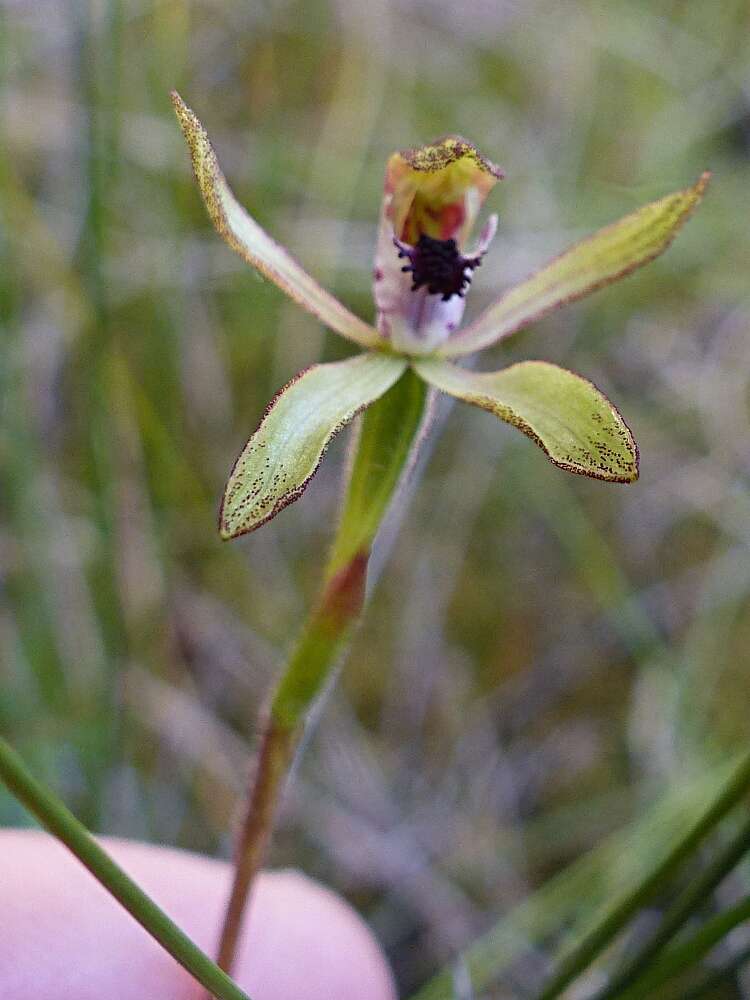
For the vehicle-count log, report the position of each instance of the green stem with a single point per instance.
(389, 436)
(56, 818)
(600, 936)
(682, 909)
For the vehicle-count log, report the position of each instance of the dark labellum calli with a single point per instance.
(439, 265)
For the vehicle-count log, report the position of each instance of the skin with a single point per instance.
(62, 937)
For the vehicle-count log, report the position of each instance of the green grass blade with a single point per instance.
(558, 903)
(682, 956)
(60, 822)
(600, 936)
(696, 893)
(718, 977)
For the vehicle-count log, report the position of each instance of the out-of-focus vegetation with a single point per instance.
(546, 656)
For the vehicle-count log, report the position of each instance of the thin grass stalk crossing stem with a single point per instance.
(58, 820)
(392, 430)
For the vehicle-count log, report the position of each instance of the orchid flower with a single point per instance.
(423, 268)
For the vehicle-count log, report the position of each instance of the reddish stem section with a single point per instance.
(276, 752)
(344, 595)
(322, 641)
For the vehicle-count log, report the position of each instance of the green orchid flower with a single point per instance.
(423, 268)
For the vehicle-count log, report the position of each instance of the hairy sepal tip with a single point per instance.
(242, 233)
(593, 263)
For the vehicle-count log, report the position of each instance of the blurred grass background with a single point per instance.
(545, 655)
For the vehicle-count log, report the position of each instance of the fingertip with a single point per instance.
(65, 938)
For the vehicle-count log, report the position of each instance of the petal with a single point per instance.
(282, 456)
(567, 416)
(599, 260)
(253, 243)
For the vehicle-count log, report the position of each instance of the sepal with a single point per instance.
(284, 453)
(609, 254)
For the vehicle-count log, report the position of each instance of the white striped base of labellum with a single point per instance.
(421, 302)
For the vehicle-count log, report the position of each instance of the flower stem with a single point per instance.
(276, 753)
(388, 441)
(56, 818)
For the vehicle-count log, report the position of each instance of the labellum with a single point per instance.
(430, 204)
